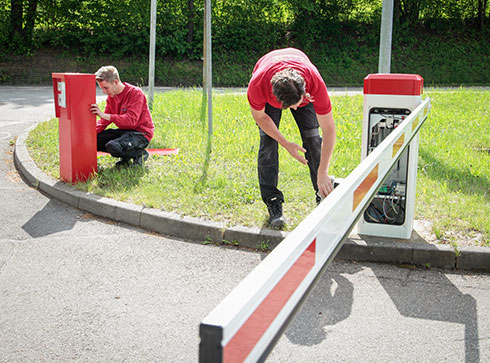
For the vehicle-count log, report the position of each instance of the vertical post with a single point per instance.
(208, 64)
(384, 65)
(207, 88)
(151, 71)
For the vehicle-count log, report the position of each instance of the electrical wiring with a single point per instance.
(385, 212)
(388, 205)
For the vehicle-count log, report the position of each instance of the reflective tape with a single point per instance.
(240, 346)
(364, 187)
(398, 144)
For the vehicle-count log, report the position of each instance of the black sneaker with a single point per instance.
(123, 163)
(138, 161)
(276, 219)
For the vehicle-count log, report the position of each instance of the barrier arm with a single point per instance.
(246, 325)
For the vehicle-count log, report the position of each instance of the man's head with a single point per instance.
(289, 88)
(108, 79)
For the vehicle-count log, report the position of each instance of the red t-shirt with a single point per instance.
(129, 111)
(260, 88)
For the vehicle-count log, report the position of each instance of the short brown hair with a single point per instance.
(108, 74)
(288, 86)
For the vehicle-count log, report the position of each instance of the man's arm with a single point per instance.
(327, 125)
(269, 127)
(105, 118)
(129, 118)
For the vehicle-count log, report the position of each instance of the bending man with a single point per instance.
(282, 79)
(127, 108)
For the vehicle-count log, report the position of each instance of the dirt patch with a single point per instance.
(36, 69)
(462, 239)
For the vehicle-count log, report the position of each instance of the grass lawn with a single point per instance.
(453, 175)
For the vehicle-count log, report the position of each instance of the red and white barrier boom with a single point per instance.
(248, 322)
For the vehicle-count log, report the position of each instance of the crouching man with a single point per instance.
(127, 108)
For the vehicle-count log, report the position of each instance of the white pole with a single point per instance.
(151, 71)
(384, 65)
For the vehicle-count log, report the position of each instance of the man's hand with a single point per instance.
(327, 125)
(293, 149)
(325, 185)
(267, 125)
(94, 108)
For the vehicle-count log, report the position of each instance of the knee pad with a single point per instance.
(114, 148)
(314, 142)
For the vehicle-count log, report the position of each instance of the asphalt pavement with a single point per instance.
(79, 287)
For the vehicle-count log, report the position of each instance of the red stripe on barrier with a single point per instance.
(242, 343)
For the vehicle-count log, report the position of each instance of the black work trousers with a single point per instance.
(125, 144)
(268, 158)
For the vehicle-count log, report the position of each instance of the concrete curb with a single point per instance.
(355, 248)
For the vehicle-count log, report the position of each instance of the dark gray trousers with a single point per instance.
(268, 159)
(124, 144)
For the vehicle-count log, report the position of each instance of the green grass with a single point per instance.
(453, 178)
(453, 188)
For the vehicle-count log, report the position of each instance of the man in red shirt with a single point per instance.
(282, 79)
(127, 108)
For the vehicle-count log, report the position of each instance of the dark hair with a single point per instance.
(288, 86)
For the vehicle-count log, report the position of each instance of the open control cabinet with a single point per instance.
(389, 204)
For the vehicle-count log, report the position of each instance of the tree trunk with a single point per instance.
(396, 12)
(190, 21)
(409, 11)
(482, 9)
(16, 19)
(30, 21)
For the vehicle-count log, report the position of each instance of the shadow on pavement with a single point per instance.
(51, 219)
(437, 302)
(436, 299)
(331, 301)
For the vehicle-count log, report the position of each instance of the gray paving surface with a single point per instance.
(76, 287)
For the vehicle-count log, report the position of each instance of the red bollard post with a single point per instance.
(73, 95)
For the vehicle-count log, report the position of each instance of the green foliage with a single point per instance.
(121, 27)
(250, 26)
(447, 42)
(263, 246)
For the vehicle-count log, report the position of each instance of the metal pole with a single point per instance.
(207, 87)
(384, 65)
(208, 64)
(151, 71)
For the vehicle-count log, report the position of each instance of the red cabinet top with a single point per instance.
(393, 84)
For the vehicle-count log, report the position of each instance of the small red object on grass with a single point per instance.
(151, 151)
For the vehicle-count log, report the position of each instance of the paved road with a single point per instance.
(78, 288)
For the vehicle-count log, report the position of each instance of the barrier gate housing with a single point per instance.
(245, 326)
(388, 100)
(73, 95)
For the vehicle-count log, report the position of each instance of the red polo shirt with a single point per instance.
(259, 90)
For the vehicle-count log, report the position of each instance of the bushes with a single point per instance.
(446, 45)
